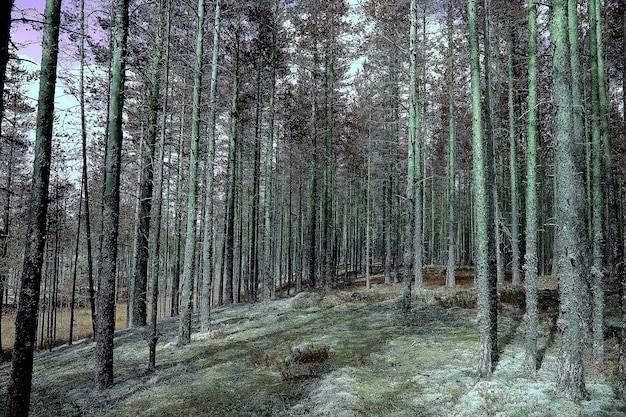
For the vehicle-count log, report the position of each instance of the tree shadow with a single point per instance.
(541, 353)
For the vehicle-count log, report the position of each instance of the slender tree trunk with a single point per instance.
(184, 329)
(176, 269)
(621, 372)
(18, 392)
(570, 379)
(207, 254)
(531, 257)
(412, 259)
(328, 229)
(5, 35)
(515, 250)
(232, 175)
(483, 210)
(268, 279)
(110, 210)
(597, 195)
(139, 313)
(75, 270)
(450, 279)
(85, 179)
(156, 209)
(313, 173)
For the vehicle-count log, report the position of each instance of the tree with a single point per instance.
(570, 380)
(5, 35)
(105, 317)
(18, 393)
(268, 280)
(184, 329)
(413, 205)
(207, 254)
(483, 211)
(139, 313)
(450, 279)
(531, 258)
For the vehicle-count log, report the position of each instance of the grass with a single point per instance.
(347, 352)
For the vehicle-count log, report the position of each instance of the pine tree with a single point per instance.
(18, 393)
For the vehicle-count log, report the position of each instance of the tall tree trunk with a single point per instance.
(18, 393)
(313, 174)
(5, 34)
(229, 258)
(184, 329)
(85, 179)
(483, 211)
(268, 279)
(413, 204)
(570, 379)
(156, 209)
(531, 258)
(328, 229)
(176, 267)
(450, 279)
(105, 317)
(597, 195)
(139, 313)
(515, 251)
(621, 373)
(207, 254)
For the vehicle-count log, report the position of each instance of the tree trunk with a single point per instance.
(232, 174)
(268, 279)
(18, 392)
(483, 209)
(597, 206)
(570, 379)
(450, 278)
(413, 204)
(515, 251)
(105, 317)
(531, 257)
(156, 209)
(139, 313)
(208, 252)
(184, 329)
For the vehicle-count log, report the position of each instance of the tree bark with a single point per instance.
(483, 209)
(530, 266)
(268, 279)
(18, 392)
(105, 317)
(208, 253)
(140, 312)
(570, 378)
(413, 227)
(184, 329)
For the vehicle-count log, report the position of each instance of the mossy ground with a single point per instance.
(368, 359)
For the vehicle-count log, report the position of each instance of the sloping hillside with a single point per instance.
(350, 352)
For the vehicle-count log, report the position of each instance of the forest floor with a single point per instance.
(348, 352)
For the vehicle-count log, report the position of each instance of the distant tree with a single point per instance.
(105, 317)
(18, 393)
